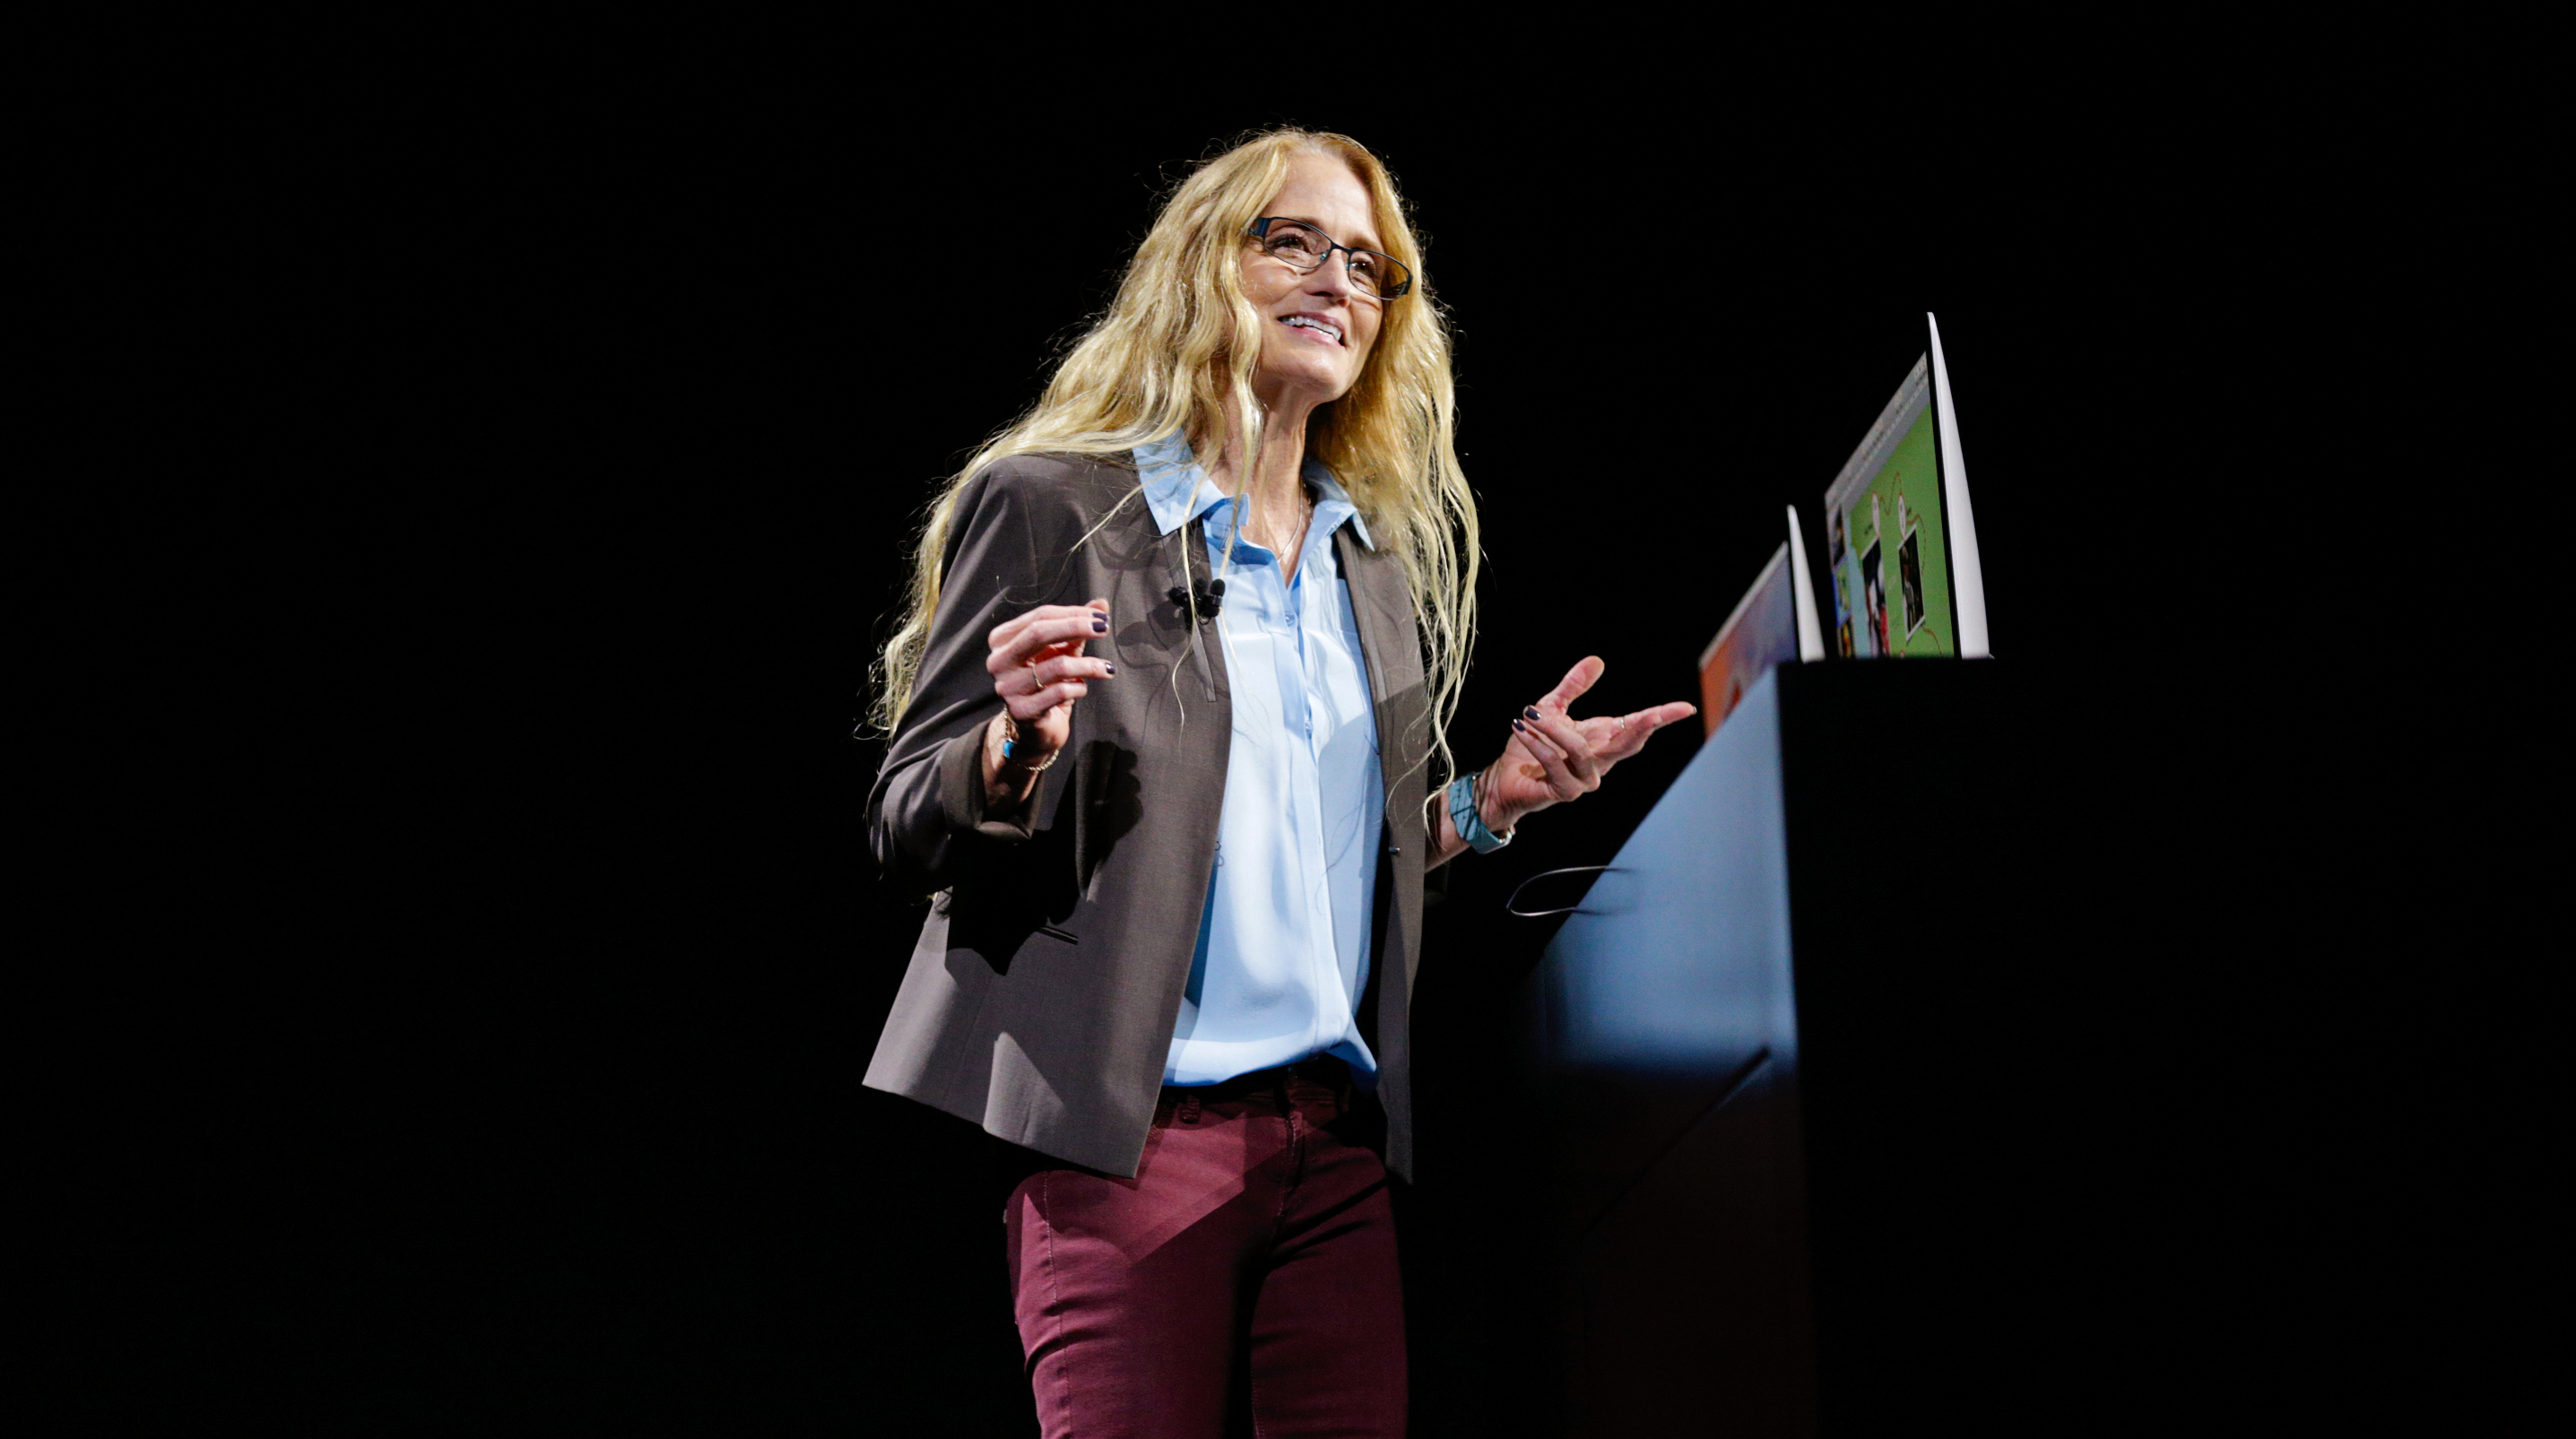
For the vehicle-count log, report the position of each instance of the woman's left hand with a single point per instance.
(1554, 757)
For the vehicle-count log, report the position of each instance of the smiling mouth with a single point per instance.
(1326, 328)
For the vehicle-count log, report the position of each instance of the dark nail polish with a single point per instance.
(1517, 725)
(1532, 712)
(1099, 626)
(1109, 669)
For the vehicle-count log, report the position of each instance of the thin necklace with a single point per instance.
(1297, 535)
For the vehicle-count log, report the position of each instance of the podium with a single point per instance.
(1817, 1137)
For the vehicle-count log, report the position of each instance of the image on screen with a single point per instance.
(1882, 511)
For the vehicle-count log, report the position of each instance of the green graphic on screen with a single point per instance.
(1884, 539)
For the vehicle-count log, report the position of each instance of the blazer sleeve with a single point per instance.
(926, 821)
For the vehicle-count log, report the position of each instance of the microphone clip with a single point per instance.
(1208, 594)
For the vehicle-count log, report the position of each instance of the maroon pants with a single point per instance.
(1243, 1283)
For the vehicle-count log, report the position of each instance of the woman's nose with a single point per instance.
(1334, 274)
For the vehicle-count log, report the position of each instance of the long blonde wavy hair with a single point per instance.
(1176, 352)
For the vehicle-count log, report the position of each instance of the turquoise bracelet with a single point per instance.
(1011, 746)
(1469, 824)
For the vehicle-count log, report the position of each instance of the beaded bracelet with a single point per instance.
(1011, 740)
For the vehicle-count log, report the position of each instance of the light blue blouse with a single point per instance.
(1283, 950)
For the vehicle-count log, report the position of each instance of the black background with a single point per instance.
(561, 950)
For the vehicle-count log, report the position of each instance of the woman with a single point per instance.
(1163, 735)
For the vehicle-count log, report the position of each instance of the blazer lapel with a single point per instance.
(1380, 602)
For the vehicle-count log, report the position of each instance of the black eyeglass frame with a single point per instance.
(1260, 230)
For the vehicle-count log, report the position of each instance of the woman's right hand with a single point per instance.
(1039, 670)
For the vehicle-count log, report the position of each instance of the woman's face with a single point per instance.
(1318, 327)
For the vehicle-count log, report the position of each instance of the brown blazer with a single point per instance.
(1042, 993)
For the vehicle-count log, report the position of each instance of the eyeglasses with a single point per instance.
(1304, 249)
